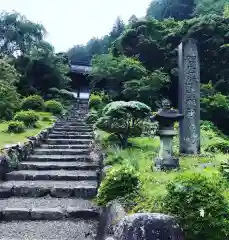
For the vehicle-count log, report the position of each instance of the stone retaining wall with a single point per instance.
(18, 152)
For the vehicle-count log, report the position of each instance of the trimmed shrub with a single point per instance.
(29, 118)
(119, 181)
(92, 117)
(66, 94)
(95, 101)
(199, 205)
(218, 146)
(125, 119)
(16, 127)
(54, 90)
(33, 102)
(54, 107)
(45, 116)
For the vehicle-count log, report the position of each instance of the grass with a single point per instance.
(46, 120)
(141, 155)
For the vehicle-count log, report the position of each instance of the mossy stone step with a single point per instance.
(65, 158)
(67, 146)
(66, 136)
(42, 151)
(46, 208)
(56, 175)
(67, 141)
(59, 189)
(58, 165)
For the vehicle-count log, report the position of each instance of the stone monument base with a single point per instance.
(166, 164)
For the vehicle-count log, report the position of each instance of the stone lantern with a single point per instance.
(166, 118)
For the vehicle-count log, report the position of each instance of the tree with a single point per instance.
(210, 7)
(82, 55)
(117, 29)
(18, 34)
(132, 19)
(42, 70)
(124, 119)
(145, 41)
(148, 90)
(177, 9)
(111, 72)
(9, 97)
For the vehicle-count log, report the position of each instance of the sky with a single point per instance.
(72, 22)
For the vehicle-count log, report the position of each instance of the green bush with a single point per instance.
(95, 101)
(215, 108)
(33, 102)
(66, 94)
(54, 91)
(116, 159)
(119, 181)
(9, 100)
(54, 107)
(16, 127)
(45, 116)
(125, 119)
(92, 117)
(218, 146)
(199, 205)
(29, 118)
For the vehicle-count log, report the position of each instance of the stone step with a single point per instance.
(75, 133)
(47, 208)
(62, 151)
(68, 141)
(59, 189)
(73, 129)
(67, 125)
(78, 146)
(57, 165)
(64, 136)
(56, 175)
(49, 230)
(65, 158)
(68, 122)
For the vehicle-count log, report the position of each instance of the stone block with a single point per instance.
(47, 214)
(10, 214)
(61, 192)
(4, 167)
(148, 226)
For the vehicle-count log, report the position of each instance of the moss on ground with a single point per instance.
(6, 138)
(140, 155)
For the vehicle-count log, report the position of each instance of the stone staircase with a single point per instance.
(49, 196)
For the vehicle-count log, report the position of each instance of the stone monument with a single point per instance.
(189, 97)
(166, 118)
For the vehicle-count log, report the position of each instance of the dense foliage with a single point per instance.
(54, 107)
(81, 54)
(124, 119)
(199, 205)
(16, 127)
(29, 118)
(18, 34)
(118, 183)
(28, 66)
(33, 102)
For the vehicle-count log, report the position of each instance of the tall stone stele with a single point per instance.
(189, 97)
